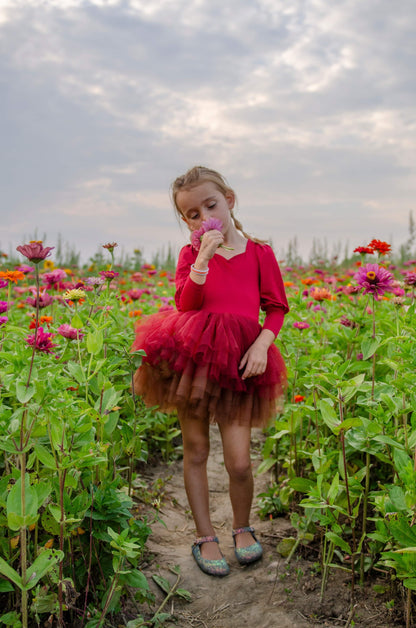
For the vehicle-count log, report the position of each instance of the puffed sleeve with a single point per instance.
(189, 295)
(273, 298)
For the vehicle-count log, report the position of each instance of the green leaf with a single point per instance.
(329, 415)
(95, 341)
(6, 586)
(162, 583)
(76, 372)
(135, 579)
(302, 485)
(369, 346)
(15, 517)
(23, 393)
(45, 457)
(333, 489)
(42, 565)
(77, 321)
(10, 573)
(338, 541)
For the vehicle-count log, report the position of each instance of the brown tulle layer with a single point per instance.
(191, 366)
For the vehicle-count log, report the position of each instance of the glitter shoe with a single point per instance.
(249, 554)
(212, 567)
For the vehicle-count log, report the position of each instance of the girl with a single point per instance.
(211, 360)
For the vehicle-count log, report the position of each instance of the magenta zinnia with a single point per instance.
(301, 325)
(35, 251)
(207, 225)
(42, 341)
(374, 279)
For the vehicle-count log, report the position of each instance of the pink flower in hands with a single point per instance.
(207, 225)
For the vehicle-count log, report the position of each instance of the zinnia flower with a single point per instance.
(109, 274)
(3, 320)
(110, 246)
(35, 251)
(320, 294)
(45, 299)
(301, 325)
(42, 341)
(12, 275)
(364, 250)
(410, 278)
(381, 247)
(347, 322)
(54, 278)
(374, 279)
(94, 281)
(69, 332)
(207, 225)
(4, 306)
(299, 398)
(74, 295)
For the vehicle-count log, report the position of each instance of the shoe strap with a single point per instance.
(241, 530)
(205, 539)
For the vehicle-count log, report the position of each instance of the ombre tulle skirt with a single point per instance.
(191, 366)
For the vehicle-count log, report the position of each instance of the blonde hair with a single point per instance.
(200, 174)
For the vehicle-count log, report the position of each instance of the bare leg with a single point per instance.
(236, 445)
(195, 436)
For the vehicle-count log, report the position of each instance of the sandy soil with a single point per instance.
(268, 594)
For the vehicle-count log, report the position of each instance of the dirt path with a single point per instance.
(249, 596)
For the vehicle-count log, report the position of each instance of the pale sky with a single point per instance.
(306, 106)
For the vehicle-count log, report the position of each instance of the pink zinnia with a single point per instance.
(410, 278)
(69, 332)
(42, 341)
(35, 251)
(301, 325)
(374, 279)
(54, 278)
(109, 274)
(3, 320)
(4, 306)
(207, 225)
(45, 299)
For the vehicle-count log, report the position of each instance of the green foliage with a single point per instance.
(71, 434)
(344, 448)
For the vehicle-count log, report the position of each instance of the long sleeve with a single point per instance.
(273, 300)
(189, 295)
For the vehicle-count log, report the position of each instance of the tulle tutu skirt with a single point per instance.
(191, 365)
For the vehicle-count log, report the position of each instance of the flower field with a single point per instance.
(73, 437)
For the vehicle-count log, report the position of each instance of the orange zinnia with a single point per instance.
(12, 275)
(320, 294)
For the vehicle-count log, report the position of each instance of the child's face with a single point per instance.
(205, 201)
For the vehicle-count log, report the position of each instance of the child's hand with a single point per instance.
(254, 361)
(210, 242)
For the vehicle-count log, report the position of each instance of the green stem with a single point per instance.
(23, 539)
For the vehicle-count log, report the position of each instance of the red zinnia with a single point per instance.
(382, 248)
(364, 250)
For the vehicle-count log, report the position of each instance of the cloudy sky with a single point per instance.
(306, 106)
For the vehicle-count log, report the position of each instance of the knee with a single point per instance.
(196, 453)
(239, 469)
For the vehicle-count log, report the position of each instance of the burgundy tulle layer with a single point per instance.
(191, 365)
